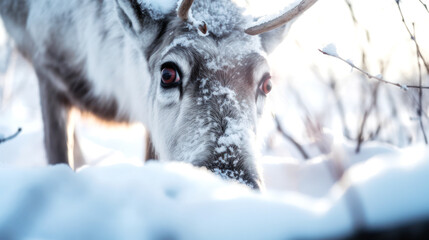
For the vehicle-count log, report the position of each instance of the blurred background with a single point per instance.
(317, 99)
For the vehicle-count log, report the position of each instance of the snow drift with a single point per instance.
(178, 201)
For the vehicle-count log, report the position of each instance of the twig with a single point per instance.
(419, 53)
(352, 12)
(2, 140)
(366, 110)
(340, 107)
(420, 111)
(402, 86)
(365, 118)
(377, 111)
(332, 85)
(311, 124)
(355, 21)
(419, 57)
(288, 137)
(424, 5)
(394, 115)
(420, 106)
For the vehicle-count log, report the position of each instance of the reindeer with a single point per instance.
(196, 78)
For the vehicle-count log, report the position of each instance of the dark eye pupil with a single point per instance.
(268, 86)
(168, 75)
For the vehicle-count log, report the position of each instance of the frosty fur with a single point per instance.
(104, 57)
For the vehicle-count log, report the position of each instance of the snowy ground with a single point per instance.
(175, 201)
(117, 197)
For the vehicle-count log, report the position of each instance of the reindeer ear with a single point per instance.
(131, 15)
(271, 39)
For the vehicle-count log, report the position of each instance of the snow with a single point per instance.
(116, 196)
(274, 15)
(403, 87)
(159, 8)
(221, 16)
(379, 180)
(178, 201)
(331, 49)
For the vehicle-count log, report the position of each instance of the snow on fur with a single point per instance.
(159, 8)
(275, 15)
(222, 16)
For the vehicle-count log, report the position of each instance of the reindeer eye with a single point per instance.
(170, 76)
(265, 86)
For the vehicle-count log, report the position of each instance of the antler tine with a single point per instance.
(282, 19)
(183, 9)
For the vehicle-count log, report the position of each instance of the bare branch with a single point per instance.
(419, 57)
(365, 117)
(420, 105)
(413, 38)
(332, 84)
(402, 86)
(424, 5)
(352, 13)
(2, 140)
(290, 138)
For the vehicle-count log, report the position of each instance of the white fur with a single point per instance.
(117, 69)
(121, 73)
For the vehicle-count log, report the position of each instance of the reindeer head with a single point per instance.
(209, 81)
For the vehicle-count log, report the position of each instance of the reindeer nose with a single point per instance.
(241, 174)
(256, 185)
(250, 181)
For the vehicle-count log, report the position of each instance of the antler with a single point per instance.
(183, 13)
(280, 20)
(183, 9)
